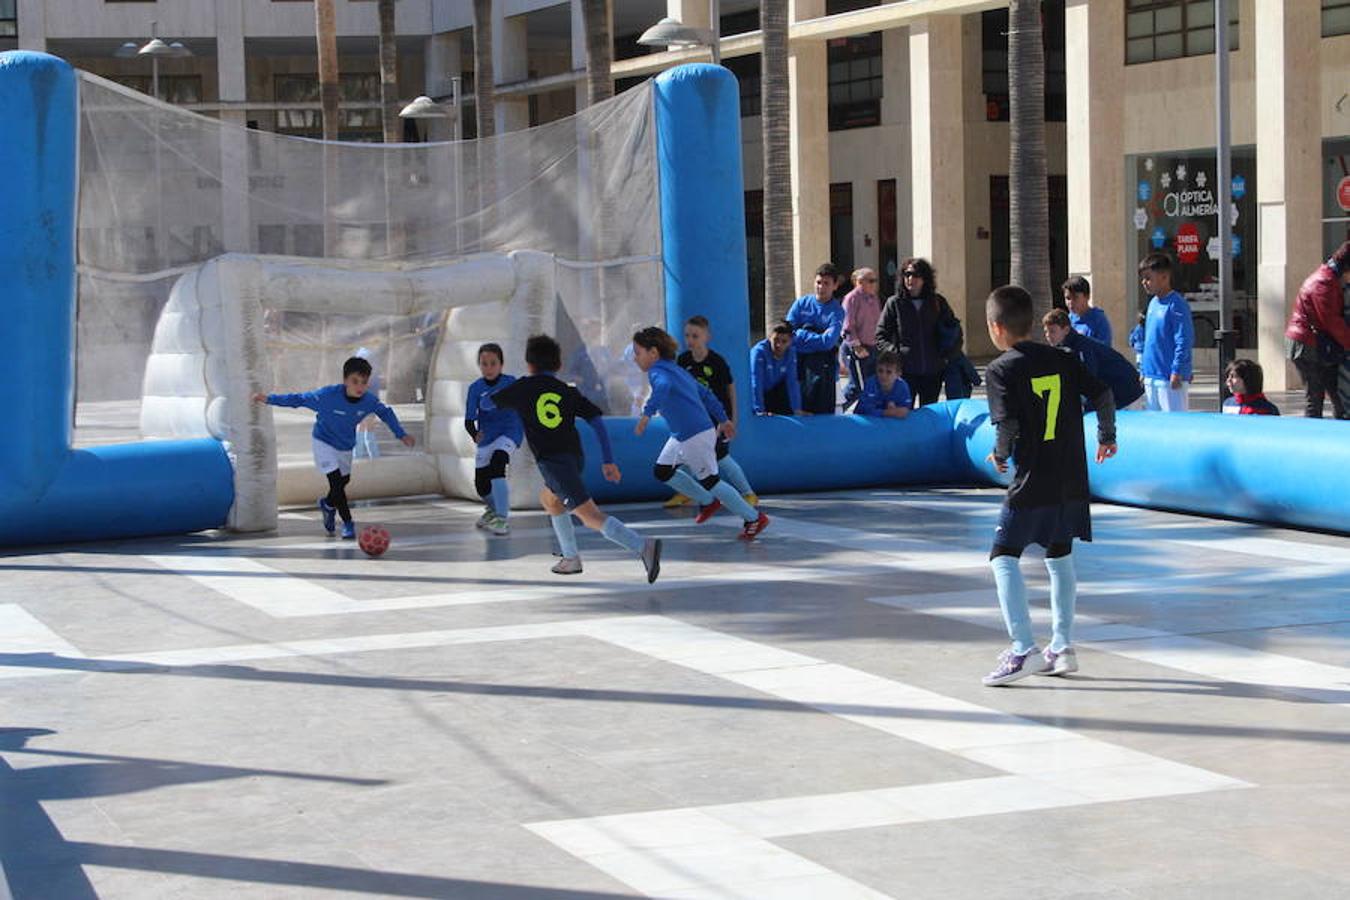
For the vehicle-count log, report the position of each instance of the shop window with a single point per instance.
(746, 69)
(172, 88)
(841, 233)
(1169, 29)
(855, 81)
(994, 25)
(1335, 194)
(1335, 17)
(754, 252)
(888, 252)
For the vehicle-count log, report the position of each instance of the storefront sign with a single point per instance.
(1188, 244)
(1343, 193)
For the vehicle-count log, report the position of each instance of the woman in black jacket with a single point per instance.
(912, 324)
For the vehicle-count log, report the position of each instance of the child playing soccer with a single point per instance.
(885, 393)
(339, 408)
(711, 370)
(686, 406)
(549, 408)
(497, 434)
(1034, 393)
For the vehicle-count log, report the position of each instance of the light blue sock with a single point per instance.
(500, 497)
(1012, 598)
(731, 471)
(682, 482)
(1063, 594)
(622, 535)
(567, 535)
(733, 501)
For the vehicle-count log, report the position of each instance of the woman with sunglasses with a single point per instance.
(912, 324)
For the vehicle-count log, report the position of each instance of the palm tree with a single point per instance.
(599, 50)
(483, 77)
(1028, 180)
(393, 126)
(779, 262)
(325, 27)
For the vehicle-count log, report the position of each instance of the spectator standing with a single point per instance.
(910, 325)
(1318, 338)
(1169, 337)
(1085, 318)
(818, 323)
(862, 314)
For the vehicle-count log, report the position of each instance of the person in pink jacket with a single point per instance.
(862, 312)
(1318, 338)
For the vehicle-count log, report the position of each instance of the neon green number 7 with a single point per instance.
(1048, 384)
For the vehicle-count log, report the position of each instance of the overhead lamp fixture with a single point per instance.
(423, 107)
(673, 34)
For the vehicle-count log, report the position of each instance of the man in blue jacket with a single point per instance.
(818, 320)
(1101, 361)
(1169, 336)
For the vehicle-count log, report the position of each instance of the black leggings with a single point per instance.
(337, 493)
(1054, 551)
(496, 468)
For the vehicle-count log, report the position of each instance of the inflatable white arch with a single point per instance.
(209, 357)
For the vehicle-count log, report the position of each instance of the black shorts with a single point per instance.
(1044, 525)
(723, 447)
(562, 476)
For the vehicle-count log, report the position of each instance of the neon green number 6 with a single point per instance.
(546, 409)
(1048, 384)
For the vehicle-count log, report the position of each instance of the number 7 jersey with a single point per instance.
(1040, 389)
(549, 409)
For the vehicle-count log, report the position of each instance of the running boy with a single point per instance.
(773, 374)
(497, 434)
(885, 393)
(711, 370)
(339, 408)
(549, 408)
(1034, 393)
(686, 405)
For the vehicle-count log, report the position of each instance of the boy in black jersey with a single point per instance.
(1034, 401)
(549, 409)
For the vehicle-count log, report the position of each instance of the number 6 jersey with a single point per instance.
(549, 409)
(1035, 393)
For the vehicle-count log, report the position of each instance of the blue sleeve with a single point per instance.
(660, 389)
(1104, 326)
(1185, 340)
(597, 424)
(794, 313)
(711, 403)
(902, 395)
(867, 405)
(308, 399)
(794, 388)
(758, 376)
(471, 409)
(387, 417)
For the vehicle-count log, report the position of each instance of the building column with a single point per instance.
(1288, 169)
(937, 150)
(232, 81)
(808, 89)
(510, 63)
(32, 16)
(580, 91)
(1095, 134)
(443, 62)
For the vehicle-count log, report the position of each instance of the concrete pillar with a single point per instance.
(693, 13)
(579, 52)
(937, 150)
(1095, 134)
(232, 78)
(1288, 169)
(510, 63)
(808, 87)
(32, 16)
(444, 60)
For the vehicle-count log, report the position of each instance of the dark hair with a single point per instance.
(1056, 317)
(653, 338)
(1011, 307)
(1155, 262)
(781, 327)
(888, 358)
(490, 347)
(1253, 379)
(1341, 258)
(698, 322)
(829, 270)
(926, 272)
(543, 353)
(355, 365)
(1077, 285)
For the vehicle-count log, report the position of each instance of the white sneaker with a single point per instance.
(1061, 663)
(1015, 666)
(499, 525)
(568, 565)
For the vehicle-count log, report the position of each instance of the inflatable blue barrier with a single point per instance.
(49, 492)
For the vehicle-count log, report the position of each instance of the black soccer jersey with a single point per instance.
(1039, 387)
(713, 373)
(549, 409)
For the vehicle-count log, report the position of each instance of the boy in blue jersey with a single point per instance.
(1169, 335)
(549, 409)
(885, 393)
(1086, 319)
(686, 406)
(497, 434)
(774, 390)
(339, 408)
(1097, 358)
(818, 320)
(1034, 404)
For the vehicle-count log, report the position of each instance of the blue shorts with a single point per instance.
(562, 476)
(1044, 525)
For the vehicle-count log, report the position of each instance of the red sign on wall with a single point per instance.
(1343, 193)
(1188, 243)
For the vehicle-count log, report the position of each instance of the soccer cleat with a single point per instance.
(568, 565)
(651, 558)
(752, 529)
(348, 531)
(752, 498)
(499, 525)
(329, 515)
(707, 512)
(1015, 666)
(677, 500)
(1061, 663)
(485, 520)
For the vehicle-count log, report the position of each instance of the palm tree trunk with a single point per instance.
(393, 126)
(1029, 210)
(484, 81)
(325, 27)
(599, 51)
(779, 265)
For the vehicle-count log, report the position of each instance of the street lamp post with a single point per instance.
(424, 107)
(1224, 335)
(675, 35)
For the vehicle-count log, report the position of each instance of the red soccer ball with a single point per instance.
(373, 539)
